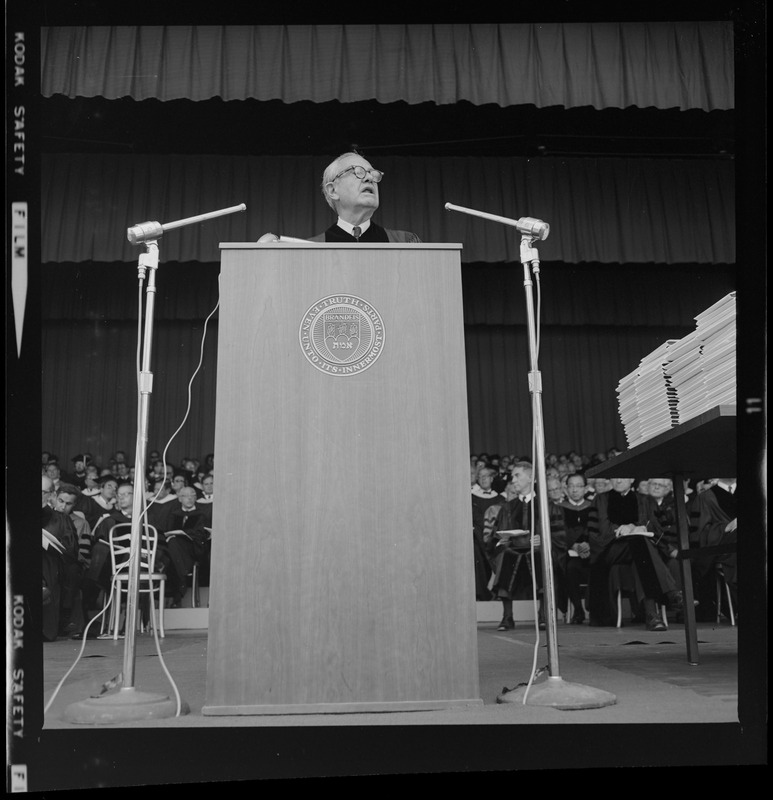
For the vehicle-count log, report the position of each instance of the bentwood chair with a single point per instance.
(150, 581)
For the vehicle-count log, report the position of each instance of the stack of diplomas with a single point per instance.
(683, 377)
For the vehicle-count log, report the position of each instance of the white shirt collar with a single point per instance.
(478, 492)
(728, 487)
(348, 227)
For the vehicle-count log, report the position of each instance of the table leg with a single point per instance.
(685, 567)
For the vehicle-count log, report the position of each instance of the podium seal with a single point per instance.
(341, 335)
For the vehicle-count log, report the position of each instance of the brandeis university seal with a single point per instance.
(342, 335)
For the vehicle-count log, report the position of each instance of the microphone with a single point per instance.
(146, 231)
(535, 228)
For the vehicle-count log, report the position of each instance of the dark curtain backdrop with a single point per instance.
(598, 64)
(638, 245)
(612, 210)
(580, 370)
(598, 322)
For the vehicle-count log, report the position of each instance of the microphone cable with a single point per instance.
(116, 680)
(535, 671)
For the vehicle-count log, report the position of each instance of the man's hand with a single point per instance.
(732, 525)
(582, 549)
(624, 530)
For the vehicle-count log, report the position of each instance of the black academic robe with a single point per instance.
(633, 564)
(714, 509)
(480, 506)
(512, 565)
(65, 569)
(186, 550)
(374, 233)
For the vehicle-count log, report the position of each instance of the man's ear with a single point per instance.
(330, 191)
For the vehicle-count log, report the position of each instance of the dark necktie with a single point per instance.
(356, 232)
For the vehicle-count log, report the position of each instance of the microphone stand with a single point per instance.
(128, 703)
(554, 691)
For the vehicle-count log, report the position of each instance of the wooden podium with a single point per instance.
(342, 558)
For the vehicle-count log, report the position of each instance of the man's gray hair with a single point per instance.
(330, 172)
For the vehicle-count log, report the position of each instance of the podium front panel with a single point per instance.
(342, 558)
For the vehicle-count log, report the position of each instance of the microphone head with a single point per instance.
(144, 231)
(534, 227)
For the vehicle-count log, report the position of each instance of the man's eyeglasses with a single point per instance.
(360, 172)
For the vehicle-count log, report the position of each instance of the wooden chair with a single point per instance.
(149, 580)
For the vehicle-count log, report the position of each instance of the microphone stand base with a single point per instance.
(124, 706)
(558, 693)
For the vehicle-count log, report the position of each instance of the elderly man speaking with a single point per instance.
(350, 187)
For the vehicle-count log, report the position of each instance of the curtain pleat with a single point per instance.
(649, 295)
(90, 401)
(600, 64)
(90, 396)
(635, 210)
(580, 367)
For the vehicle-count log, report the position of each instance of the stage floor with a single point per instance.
(646, 671)
(667, 713)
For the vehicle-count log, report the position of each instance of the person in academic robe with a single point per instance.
(187, 542)
(625, 558)
(77, 475)
(350, 186)
(94, 507)
(99, 573)
(576, 561)
(60, 523)
(204, 502)
(484, 498)
(717, 526)
(161, 503)
(52, 567)
(517, 572)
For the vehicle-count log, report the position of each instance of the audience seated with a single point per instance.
(483, 497)
(622, 559)
(555, 490)
(587, 519)
(180, 481)
(94, 507)
(98, 576)
(661, 490)
(513, 570)
(187, 542)
(160, 504)
(59, 521)
(54, 472)
(715, 511)
(91, 485)
(577, 509)
(204, 502)
(77, 475)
